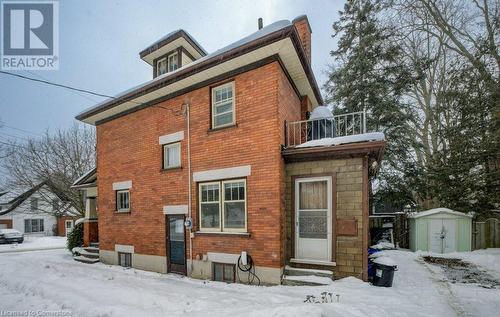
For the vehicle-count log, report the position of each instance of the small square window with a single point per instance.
(123, 200)
(125, 259)
(224, 272)
(172, 155)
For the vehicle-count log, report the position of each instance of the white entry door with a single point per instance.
(313, 218)
(442, 235)
(69, 226)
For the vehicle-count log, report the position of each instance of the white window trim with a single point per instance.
(175, 210)
(124, 248)
(214, 89)
(224, 200)
(158, 65)
(167, 146)
(221, 207)
(118, 209)
(168, 62)
(219, 229)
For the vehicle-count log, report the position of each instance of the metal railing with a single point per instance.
(299, 132)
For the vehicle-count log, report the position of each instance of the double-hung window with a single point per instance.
(161, 66)
(223, 206)
(123, 200)
(223, 113)
(172, 155)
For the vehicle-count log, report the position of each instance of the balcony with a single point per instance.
(321, 132)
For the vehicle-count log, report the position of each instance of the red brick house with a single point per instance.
(224, 141)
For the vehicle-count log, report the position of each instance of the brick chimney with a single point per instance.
(303, 28)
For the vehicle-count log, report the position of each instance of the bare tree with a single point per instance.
(58, 159)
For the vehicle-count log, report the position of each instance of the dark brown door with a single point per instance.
(176, 244)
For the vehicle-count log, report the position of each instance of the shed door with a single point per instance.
(442, 235)
(449, 235)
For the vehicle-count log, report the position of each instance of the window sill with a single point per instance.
(222, 128)
(122, 212)
(219, 233)
(168, 169)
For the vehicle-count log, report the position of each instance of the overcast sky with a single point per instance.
(100, 41)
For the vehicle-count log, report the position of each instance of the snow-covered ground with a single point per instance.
(35, 243)
(52, 281)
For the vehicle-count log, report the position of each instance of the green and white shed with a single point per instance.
(440, 230)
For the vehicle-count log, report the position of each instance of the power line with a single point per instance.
(56, 84)
(24, 147)
(18, 129)
(14, 136)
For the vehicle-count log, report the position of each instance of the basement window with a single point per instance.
(224, 272)
(125, 259)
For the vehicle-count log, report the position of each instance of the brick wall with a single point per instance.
(128, 149)
(349, 250)
(61, 224)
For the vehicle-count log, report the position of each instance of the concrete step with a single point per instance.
(94, 244)
(91, 249)
(84, 259)
(306, 280)
(293, 271)
(91, 255)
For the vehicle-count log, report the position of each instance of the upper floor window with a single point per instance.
(172, 62)
(123, 200)
(167, 64)
(223, 206)
(172, 155)
(161, 66)
(34, 204)
(223, 105)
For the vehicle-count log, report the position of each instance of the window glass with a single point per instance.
(125, 259)
(171, 155)
(209, 206)
(161, 66)
(231, 207)
(34, 203)
(122, 200)
(222, 105)
(223, 272)
(172, 62)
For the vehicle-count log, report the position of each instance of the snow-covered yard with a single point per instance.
(52, 281)
(35, 243)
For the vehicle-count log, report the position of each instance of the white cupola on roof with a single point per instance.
(321, 112)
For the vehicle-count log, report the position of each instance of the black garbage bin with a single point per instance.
(384, 275)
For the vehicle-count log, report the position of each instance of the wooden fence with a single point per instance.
(486, 234)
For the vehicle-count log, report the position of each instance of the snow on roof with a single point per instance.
(365, 137)
(176, 31)
(320, 112)
(273, 27)
(85, 175)
(437, 211)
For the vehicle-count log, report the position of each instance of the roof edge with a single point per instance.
(289, 31)
(303, 17)
(175, 35)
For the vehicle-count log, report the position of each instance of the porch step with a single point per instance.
(85, 259)
(294, 271)
(88, 255)
(91, 249)
(306, 280)
(94, 244)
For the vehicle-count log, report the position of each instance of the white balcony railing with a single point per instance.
(299, 132)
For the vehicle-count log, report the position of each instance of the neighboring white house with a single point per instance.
(35, 211)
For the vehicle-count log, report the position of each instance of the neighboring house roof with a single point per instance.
(438, 211)
(17, 200)
(86, 180)
(169, 38)
(277, 41)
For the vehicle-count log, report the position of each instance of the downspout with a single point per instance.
(187, 114)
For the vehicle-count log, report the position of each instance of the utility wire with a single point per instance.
(14, 136)
(56, 84)
(24, 147)
(18, 129)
